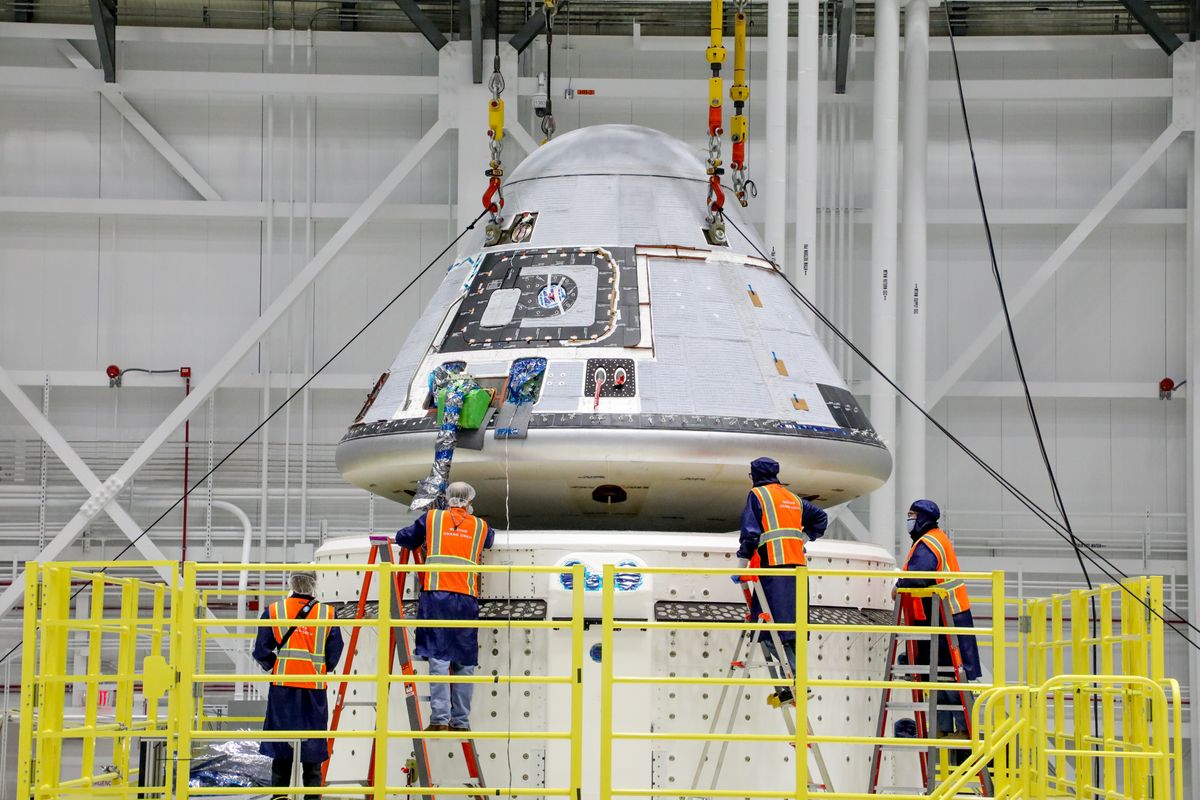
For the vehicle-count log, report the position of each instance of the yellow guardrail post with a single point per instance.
(383, 668)
(800, 686)
(126, 664)
(52, 662)
(29, 698)
(1080, 713)
(578, 581)
(608, 582)
(1108, 713)
(92, 692)
(999, 663)
(185, 713)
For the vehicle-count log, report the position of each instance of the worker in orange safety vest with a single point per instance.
(299, 656)
(450, 536)
(774, 526)
(932, 551)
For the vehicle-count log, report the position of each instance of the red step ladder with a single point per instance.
(400, 653)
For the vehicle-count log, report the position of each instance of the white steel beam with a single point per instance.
(861, 93)
(1030, 289)
(113, 94)
(226, 364)
(882, 280)
(214, 209)
(254, 83)
(690, 44)
(1042, 216)
(71, 460)
(438, 212)
(301, 84)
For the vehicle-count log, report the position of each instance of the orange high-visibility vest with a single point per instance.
(782, 538)
(453, 537)
(302, 659)
(937, 541)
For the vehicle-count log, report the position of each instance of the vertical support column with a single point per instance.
(776, 171)
(882, 278)
(802, 269)
(1185, 72)
(910, 474)
(1192, 438)
(463, 104)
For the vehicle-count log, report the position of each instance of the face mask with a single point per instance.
(911, 524)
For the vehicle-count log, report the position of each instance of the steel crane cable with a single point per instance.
(1017, 360)
(1088, 550)
(281, 406)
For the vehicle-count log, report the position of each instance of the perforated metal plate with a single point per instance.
(686, 611)
(488, 609)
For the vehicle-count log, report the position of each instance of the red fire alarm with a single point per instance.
(114, 375)
(1166, 388)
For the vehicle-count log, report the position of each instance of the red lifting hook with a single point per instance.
(715, 192)
(488, 203)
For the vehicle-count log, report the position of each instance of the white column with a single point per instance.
(1192, 436)
(775, 196)
(466, 108)
(911, 301)
(802, 269)
(882, 281)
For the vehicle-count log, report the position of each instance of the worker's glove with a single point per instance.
(742, 564)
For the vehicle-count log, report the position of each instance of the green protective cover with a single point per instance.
(475, 406)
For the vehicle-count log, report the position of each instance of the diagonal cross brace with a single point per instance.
(104, 19)
(424, 24)
(1154, 25)
(72, 461)
(1029, 290)
(113, 94)
(226, 364)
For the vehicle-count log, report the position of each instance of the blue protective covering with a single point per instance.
(928, 515)
(457, 384)
(525, 380)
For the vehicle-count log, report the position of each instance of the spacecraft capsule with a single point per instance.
(636, 362)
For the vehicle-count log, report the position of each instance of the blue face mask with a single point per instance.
(911, 524)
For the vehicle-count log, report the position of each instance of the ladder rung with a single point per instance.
(908, 705)
(917, 790)
(921, 669)
(950, 744)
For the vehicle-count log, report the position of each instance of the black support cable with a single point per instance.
(281, 406)
(1089, 552)
(1059, 503)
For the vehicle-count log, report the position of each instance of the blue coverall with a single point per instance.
(291, 708)
(453, 651)
(779, 591)
(923, 559)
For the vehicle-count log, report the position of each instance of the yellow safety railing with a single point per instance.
(1087, 712)
(1034, 738)
(799, 786)
(176, 616)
